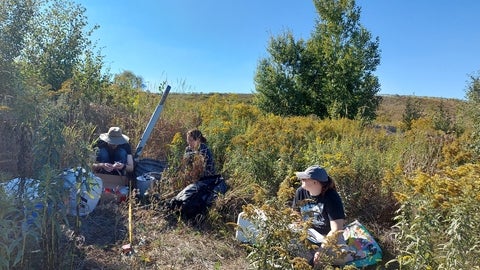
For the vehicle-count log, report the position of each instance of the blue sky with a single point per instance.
(428, 48)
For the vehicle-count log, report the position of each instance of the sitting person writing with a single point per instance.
(114, 153)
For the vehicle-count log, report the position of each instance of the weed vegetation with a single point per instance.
(412, 181)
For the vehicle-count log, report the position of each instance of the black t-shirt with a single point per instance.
(319, 209)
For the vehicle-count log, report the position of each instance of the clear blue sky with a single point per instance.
(428, 47)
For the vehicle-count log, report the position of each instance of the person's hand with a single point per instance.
(316, 257)
(117, 166)
(108, 167)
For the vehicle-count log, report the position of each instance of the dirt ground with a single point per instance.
(159, 241)
(100, 237)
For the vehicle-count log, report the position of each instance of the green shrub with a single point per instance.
(438, 220)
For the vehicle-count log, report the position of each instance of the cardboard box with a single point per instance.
(113, 181)
(114, 187)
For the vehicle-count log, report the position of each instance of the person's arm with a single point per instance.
(336, 212)
(129, 165)
(336, 225)
(97, 167)
(209, 161)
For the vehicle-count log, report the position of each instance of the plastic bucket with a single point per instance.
(145, 182)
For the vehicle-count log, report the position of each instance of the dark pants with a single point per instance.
(105, 155)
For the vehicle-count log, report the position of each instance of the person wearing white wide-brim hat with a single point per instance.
(114, 153)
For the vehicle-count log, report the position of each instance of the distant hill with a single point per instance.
(390, 111)
(392, 107)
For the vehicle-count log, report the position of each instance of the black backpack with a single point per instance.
(195, 199)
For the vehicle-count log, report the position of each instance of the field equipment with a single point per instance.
(84, 191)
(144, 167)
(150, 125)
(360, 245)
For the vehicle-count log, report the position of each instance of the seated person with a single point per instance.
(197, 145)
(199, 173)
(317, 200)
(114, 153)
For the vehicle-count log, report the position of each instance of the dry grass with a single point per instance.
(160, 241)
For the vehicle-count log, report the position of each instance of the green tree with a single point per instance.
(473, 95)
(124, 90)
(412, 112)
(44, 46)
(442, 120)
(279, 78)
(57, 41)
(14, 24)
(89, 82)
(129, 81)
(331, 75)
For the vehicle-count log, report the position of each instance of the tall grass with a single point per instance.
(391, 181)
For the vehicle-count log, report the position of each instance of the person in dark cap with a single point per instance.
(114, 153)
(318, 201)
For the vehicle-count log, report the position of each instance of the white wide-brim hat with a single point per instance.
(114, 136)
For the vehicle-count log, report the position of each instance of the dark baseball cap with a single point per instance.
(314, 172)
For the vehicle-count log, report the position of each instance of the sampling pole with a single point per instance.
(151, 125)
(128, 249)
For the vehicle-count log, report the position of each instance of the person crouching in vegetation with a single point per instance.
(204, 184)
(198, 156)
(114, 153)
(318, 202)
